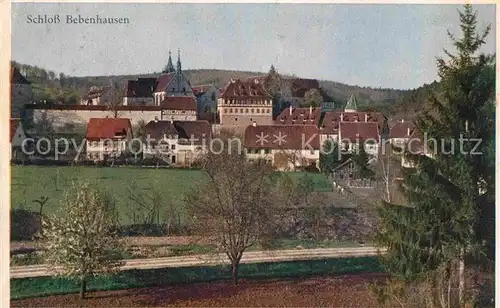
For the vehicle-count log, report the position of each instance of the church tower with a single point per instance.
(170, 66)
(352, 104)
(179, 75)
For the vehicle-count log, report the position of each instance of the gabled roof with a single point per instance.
(245, 89)
(354, 131)
(331, 120)
(352, 103)
(158, 129)
(194, 131)
(163, 81)
(16, 77)
(302, 116)
(285, 137)
(14, 124)
(402, 130)
(179, 103)
(103, 128)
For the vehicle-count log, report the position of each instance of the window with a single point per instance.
(249, 151)
(235, 119)
(241, 110)
(258, 110)
(252, 111)
(213, 96)
(266, 151)
(173, 159)
(230, 110)
(246, 110)
(173, 147)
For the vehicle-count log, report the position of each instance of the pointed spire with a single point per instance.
(170, 66)
(352, 104)
(179, 60)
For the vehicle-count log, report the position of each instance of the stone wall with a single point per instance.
(60, 118)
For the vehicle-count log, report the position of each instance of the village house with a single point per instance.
(243, 103)
(107, 138)
(21, 92)
(178, 143)
(400, 133)
(299, 116)
(286, 147)
(353, 134)
(17, 136)
(328, 122)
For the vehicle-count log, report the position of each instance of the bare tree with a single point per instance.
(236, 206)
(389, 166)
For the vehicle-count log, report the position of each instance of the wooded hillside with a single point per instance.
(60, 88)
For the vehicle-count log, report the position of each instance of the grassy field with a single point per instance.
(42, 286)
(29, 183)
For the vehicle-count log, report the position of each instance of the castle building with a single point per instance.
(243, 103)
(152, 91)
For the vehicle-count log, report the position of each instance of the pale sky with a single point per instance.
(393, 46)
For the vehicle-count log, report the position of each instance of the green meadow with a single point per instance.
(124, 184)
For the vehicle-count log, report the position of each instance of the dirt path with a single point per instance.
(215, 259)
(340, 291)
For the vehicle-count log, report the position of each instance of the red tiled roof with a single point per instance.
(299, 116)
(354, 131)
(102, 128)
(16, 77)
(195, 130)
(332, 119)
(157, 129)
(244, 89)
(163, 81)
(178, 103)
(294, 137)
(14, 124)
(402, 130)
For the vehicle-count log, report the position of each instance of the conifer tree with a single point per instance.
(450, 192)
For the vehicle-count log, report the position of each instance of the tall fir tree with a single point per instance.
(450, 192)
